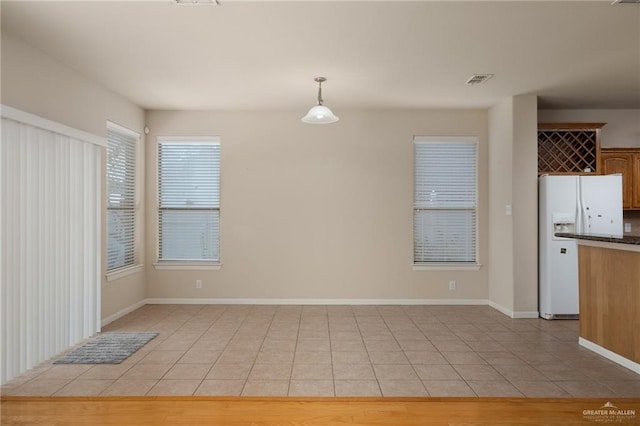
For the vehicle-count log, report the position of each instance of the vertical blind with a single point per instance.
(189, 199)
(50, 241)
(444, 207)
(121, 196)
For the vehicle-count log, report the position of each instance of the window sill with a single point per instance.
(116, 274)
(446, 267)
(187, 266)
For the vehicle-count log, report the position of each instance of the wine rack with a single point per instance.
(569, 148)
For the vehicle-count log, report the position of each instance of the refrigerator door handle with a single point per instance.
(586, 218)
(587, 222)
(579, 210)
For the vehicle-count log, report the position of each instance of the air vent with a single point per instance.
(625, 2)
(197, 2)
(478, 78)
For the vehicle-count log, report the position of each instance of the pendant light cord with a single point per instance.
(319, 92)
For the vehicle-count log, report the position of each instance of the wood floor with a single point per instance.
(313, 411)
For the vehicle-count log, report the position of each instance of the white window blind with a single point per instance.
(121, 196)
(189, 192)
(50, 239)
(445, 200)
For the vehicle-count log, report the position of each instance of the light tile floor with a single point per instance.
(265, 350)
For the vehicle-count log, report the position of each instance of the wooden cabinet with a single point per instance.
(635, 182)
(627, 162)
(569, 148)
(609, 294)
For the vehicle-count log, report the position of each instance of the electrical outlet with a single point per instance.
(627, 227)
(198, 283)
(452, 285)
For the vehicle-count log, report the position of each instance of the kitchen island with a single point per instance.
(609, 296)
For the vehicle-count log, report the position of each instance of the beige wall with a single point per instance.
(316, 212)
(501, 284)
(525, 203)
(308, 212)
(622, 129)
(513, 241)
(34, 82)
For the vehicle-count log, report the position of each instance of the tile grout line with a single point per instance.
(126, 323)
(253, 364)
(295, 349)
(333, 378)
(293, 361)
(430, 342)
(436, 348)
(487, 363)
(402, 350)
(214, 362)
(175, 331)
(466, 382)
(367, 349)
(219, 316)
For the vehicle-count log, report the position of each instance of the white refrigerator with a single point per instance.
(578, 204)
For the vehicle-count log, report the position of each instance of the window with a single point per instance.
(189, 199)
(121, 196)
(444, 206)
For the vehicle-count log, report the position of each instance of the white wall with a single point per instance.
(622, 129)
(317, 212)
(36, 83)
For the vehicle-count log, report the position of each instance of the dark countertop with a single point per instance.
(627, 239)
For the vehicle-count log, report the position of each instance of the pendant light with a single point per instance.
(320, 114)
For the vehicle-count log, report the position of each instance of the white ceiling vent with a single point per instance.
(625, 2)
(478, 78)
(196, 2)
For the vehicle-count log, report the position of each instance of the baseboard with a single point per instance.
(123, 312)
(497, 307)
(268, 301)
(526, 314)
(513, 314)
(618, 359)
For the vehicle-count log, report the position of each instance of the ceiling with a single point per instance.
(264, 55)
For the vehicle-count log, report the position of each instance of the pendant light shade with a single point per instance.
(320, 114)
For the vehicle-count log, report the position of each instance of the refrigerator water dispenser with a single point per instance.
(563, 222)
